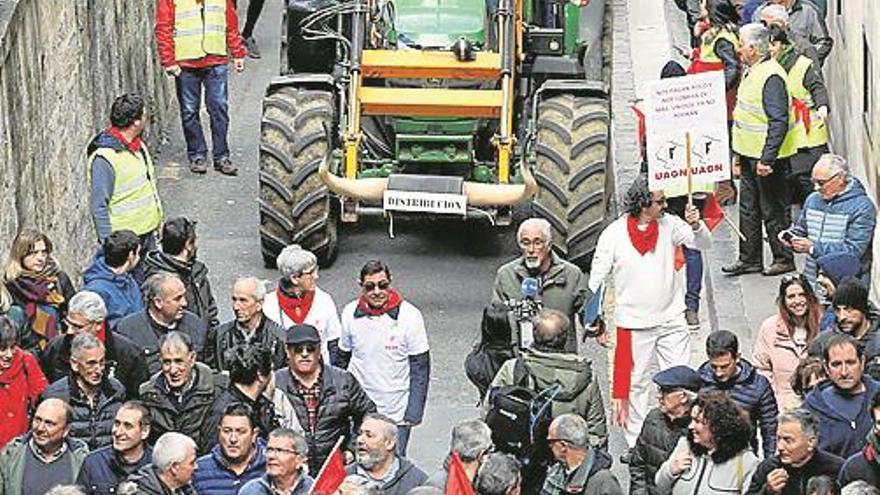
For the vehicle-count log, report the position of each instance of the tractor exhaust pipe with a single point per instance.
(478, 194)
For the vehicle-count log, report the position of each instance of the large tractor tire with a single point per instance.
(572, 151)
(294, 203)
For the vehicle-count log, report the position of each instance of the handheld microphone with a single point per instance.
(529, 288)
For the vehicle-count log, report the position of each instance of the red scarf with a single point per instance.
(296, 308)
(394, 301)
(642, 240)
(134, 145)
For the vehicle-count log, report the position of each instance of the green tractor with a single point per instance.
(459, 108)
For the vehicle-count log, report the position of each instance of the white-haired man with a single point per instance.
(560, 285)
(580, 469)
(806, 23)
(174, 462)
(298, 300)
(838, 217)
(472, 441)
(86, 312)
(250, 326)
(764, 139)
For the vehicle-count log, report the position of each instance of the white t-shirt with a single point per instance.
(380, 348)
(322, 315)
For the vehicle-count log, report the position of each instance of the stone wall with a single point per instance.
(61, 65)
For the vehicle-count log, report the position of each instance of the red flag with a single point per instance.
(712, 212)
(802, 112)
(332, 472)
(458, 483)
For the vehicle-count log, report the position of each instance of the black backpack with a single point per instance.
(520, 417)
(482, 364)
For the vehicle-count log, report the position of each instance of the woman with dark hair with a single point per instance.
(808, 374)
(494, 348)
(37, 284)
(715, 457)
(784, 337)
(21, 383)
(718, 38)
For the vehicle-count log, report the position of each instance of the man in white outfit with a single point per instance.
(639, 251)
(298, 300)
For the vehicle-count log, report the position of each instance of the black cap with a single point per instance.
(678, 377)
(303, 334)
(851, 293)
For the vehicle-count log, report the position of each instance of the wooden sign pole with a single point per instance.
(690, 178)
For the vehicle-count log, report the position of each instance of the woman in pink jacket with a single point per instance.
(785, 336)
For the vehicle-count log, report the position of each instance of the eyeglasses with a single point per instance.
(371, 286)
(792, 278)
(279, 450)
(309, 348)
(661, 201)
(551, 441)
(537, 243)
(309, 271)
(72, 325)
(822, 182)
(92, 364)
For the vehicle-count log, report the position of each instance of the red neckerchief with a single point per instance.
(102, 333)
(296, 308)
(394, 301)
(134, 146)
(642, 240)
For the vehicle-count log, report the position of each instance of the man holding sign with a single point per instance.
(762, 121)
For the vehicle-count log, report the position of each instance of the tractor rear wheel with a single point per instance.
(572, 154)
(294, 202)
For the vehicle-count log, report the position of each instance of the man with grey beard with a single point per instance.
(560, 285)
(377, 460)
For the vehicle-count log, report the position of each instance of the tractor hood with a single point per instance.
(438, 23)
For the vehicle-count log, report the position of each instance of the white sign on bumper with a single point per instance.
(416, 201)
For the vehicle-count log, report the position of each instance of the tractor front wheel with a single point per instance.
(572, 156)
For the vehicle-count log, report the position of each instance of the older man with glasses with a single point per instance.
(298, 300)
(560, 285)
(838, 217)
(319, 399)
(385, 346)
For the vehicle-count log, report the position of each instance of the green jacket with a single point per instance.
(563, 288)
(12, 462)
(592, 477)
(580, 390)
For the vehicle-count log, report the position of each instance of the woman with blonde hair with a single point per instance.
(37, 284)
(784, 337)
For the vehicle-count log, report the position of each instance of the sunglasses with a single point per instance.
(371, 286)
(309, 348)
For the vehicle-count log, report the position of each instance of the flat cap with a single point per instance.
(678, 377)
(303, 334)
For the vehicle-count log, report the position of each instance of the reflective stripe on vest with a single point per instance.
(707, 49)
(199, 28)
(818, 134)
(750, 122)
(135, 203)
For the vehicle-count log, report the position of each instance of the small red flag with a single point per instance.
(332, 472)
(457, 482)
(712, 212)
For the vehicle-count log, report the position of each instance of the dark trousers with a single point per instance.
(798, 180)
(214, 79)
(255, 7)
(694, 275)
(763, 200)
(403, 433)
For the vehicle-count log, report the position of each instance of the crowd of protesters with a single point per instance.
(132, 384)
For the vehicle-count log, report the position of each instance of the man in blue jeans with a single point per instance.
(195, 39)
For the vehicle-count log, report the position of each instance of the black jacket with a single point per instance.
(341, 407)
(653, 446)
(103, 470)
(822, 464)
(194, 274)
(124, 361)
(753, 393)
(268, 333)
(264, 412)
(775, 101)
(147, 481)
(189, 416)
(144, 332)
(92, 425)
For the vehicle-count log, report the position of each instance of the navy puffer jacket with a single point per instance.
(92, 425)
(753, 393)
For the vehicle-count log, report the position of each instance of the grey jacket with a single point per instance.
(592, 477)
(12, 462)
(704, 476)
(563, 288)
(805, 22)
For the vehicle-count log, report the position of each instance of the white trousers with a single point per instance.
(653, 349)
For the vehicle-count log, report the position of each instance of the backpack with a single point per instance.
(482, 364)
(520, 417)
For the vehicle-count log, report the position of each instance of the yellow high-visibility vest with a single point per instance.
(135, 203)
(818, 134)
(707, 48)
(750, 122)
(199, 28)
